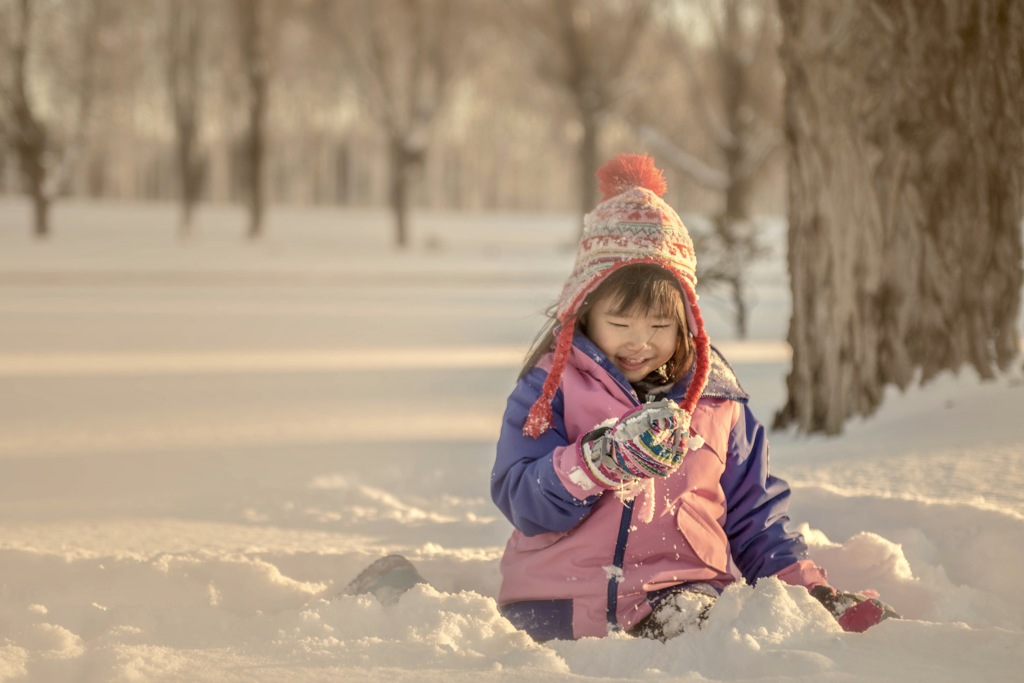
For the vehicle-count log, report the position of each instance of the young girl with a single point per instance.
(633, 472)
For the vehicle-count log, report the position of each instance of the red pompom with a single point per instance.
(627, 171)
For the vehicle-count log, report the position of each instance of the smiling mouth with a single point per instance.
(633, 362)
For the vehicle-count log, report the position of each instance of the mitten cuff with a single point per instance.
(582, 476)
(593, 453)
(574, 478)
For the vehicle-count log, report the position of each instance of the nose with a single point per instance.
(638, 339)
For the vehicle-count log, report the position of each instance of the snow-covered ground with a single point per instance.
(203, 443)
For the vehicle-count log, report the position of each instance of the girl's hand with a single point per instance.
(644, 443)
(855, 612)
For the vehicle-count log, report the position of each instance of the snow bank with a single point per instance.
(186, 616)
(138, 615)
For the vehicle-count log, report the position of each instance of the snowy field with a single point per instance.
(203, 443)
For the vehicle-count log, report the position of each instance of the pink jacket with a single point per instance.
(580, 562)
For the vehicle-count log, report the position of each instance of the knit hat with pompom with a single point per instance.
(632, 224)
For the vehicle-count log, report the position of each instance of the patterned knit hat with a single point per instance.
(632, 224)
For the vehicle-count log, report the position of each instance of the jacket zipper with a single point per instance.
(618, 561)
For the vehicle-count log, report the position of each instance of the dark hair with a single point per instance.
(638, 287)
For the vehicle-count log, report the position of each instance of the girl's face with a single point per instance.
(636, 341)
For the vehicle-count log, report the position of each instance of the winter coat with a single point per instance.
(580, 564)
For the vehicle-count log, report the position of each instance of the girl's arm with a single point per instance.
(758, 511)
(525, 484)
(761, 546)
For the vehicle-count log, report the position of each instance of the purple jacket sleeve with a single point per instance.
(524, 484)
(758, 505)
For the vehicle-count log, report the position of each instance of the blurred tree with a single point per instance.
(735, 95)
(484, 132)
(25, 130)
(45, 149)
(7, 21)
(906, 171)
(402, 56)
(254, 31)
(184, 42)
(583, 49)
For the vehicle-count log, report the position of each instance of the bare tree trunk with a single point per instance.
(45, 159)
(61, 174)
(906, 172)
(971, 185)
(584, 49)
(257, 153)
(401, 166)
(588, 163)
(739, 301)
(588, 96)
(253, 38)
(184, 42)
(403, 57)
(30, 135)
(734, 222)
(41, 213)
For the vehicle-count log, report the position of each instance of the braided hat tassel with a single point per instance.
(539, 418)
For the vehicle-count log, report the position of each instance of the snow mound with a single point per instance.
(769, 629)
(931, 561)
(426, 629)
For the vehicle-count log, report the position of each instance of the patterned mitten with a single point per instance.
(855, 612)
(644, 443)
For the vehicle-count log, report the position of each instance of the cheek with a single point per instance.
(671, 342)
(609, 340)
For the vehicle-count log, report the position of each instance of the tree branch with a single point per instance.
(718, 132)
(683, 161)
(759, 153)
(376, 74)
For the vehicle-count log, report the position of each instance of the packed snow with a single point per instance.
(204, 442)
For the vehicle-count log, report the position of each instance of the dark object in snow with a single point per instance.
(855, 612)
(386, 579)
